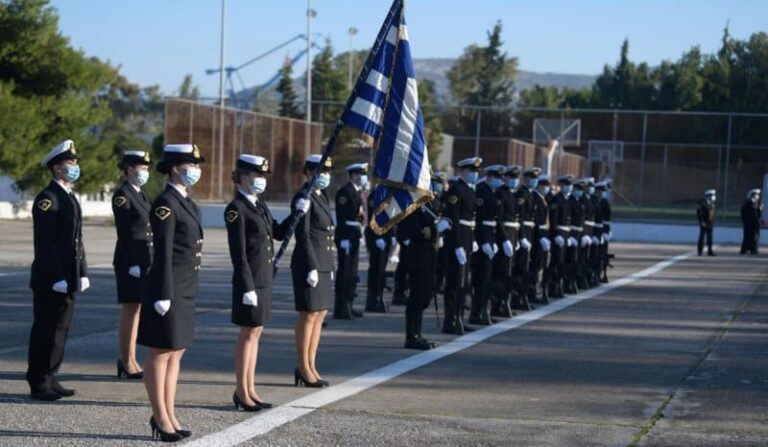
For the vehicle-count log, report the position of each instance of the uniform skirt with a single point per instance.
(252, 316)
(174, 330)
(312, 299)
(129, 288)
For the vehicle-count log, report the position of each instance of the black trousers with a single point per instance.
(749, 242)
(705, 232)
(52, 316)
(456, 277)
(401, 276)
(482, 273)
(377, 269)
(346, 274)
(421, 277)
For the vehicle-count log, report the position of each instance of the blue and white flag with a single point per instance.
(385, 106)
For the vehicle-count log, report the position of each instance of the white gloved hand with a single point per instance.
(509, 250)
(572, 242)
(60, 286)
(381, 244)
(475, 247)
(162, 307)
(312, 278)
(440, 242)
(302, 205)
(495, 248)
(442, 225)
(345, 245)
(545, 244)
(407, 242)
(332, 275)
(135, 271)
(250, 298)
(525, 244)
(393, 242)
(595, 240)
(85, 284)
(608, 236)
(586, 241)
(461, 255)
(602, 240)
(559, 240)
(488, 250)
(394, 259)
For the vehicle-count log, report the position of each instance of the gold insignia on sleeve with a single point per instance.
(453, 199)
(232, 216)
(162, 212)
(120, 200)
(479, 202)
(342, 200)
(44, 204)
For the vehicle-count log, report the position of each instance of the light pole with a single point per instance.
(352, 32)
(221, 99)
(311, 13)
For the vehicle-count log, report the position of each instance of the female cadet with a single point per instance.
(133, 255)
(167, 323)
(311, 268)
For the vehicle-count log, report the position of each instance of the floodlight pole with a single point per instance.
(352, 32)
(221, 97)
(307, 127)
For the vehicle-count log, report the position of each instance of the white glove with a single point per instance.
(85, 284)
(394, 259)
(332, 275)
(60, 286)
(475, 247)
(508, 249)
(495, 248)
(608, 236)
(461, 255)
(559, 240)
(442, 225)
(381, 244)
(602, 240)
(345, 245)
(302, 205)
(488, 250)
(135, 271)
(572, 242)
(525, 244)
(162, 307)
(312, 278)
(440, 242)
(393, 242)
(250, 298)
(595, 240)
(407, 242)
(545, 244)
(586, 241)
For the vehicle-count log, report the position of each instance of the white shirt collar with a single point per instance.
(59, 182)
(251, 197)
(179, 189)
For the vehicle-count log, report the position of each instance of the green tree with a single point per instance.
(187, 89)
(626, 86)
(328, 84)
(432, 120)
(288, 105)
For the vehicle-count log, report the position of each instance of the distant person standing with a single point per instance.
(58, 271)
(349, 230)
(751, 212)
(707, 214)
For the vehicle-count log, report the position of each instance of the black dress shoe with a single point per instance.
(61, 391)
(419, 344)
(44, 395)
(356, 313)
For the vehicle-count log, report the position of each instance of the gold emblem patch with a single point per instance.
(479, 202)
(232, 216)
(453, 199)
(195, 151)
(342, 200)
(120, 200)
(44, 204)
(162, 212)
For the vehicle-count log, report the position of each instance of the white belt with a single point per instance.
(489, 223)
(598, 225)
(589, 223)
(353, 223)
(564, 228)
(511, 224)
(577, 229)
(529, 223)
(543, 227)
(467, 223)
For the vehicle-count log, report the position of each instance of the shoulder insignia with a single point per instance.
(520, 200)
(120, 200)
(232, 216)
(342, 200)
(162, 212)
(479, 202)
(44, 204)
(453, 199)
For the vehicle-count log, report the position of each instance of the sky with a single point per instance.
(159, 41)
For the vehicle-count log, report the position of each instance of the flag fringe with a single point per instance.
(378, 230)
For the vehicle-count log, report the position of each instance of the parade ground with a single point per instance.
(673, 351)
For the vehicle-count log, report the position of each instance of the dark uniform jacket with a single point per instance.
(750, 214)
(487, 210)
(460, 209)
(348, 218)
(178, 242)
(419, 228)
(250, 234)
(134, 232)
(605, 213)
(589, 214)
(540, 215)
(314, 248)
(525, 208)
(509, 217)
(560, 216)
(706, 213)
(58, 240)
(577, 214)
(597, 209)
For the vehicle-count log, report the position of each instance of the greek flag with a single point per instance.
(385, 106)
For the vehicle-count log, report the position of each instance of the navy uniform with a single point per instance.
(349, 230)
(601, 189)
(525, 206)
(438, 204)
(706, 214)
(167, 318)
(459, 241)
(314, 250)
(573, 250)
(251, 232)
(597, 232)
(378, 251)
(540, 246)
(59, 270)
(134, 247)
(508, 239)
(751, 213)
(583, 271)
(560, 232)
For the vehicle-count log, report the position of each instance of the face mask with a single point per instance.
(363, 181)
(713, 198)
(142, 177)
(544, 190)
(471, 177)
(578, 193)
(191, 176)
(533, 182)
(754, 198)
(259, 185)
(591, 190)
(323, 180)
(73, 173)
(567, 189)
(513, 183)
(494, 182)
(437, 187)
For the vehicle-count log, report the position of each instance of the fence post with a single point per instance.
(727, 162)
(666, 181)
(477, 132)
(642, 164)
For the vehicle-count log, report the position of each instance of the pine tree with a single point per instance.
(287, 94)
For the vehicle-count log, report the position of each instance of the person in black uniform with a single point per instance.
(751, 215)
(706, 213)
(59, 270)
(544, 188)
(572, 250)
(349, 229)
(525, 204)
(507, 237)
(378, 251)
(540, 245)
(438, 187)
(133, 255)
(167, 321)
(585, 241)
(250, 234)
(459, 242)
(487, 205)
(560, 232)
(597, 233)
(601, 190)
(312, 270)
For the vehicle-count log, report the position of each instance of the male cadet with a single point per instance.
(459, 241)
(751, 212)
(544, 187)
(487, 206)
(378, 251)
(601, 190)
(524, 200)
(58, 271)
(349, 229)
(597, 232)
(572, 250)
(540, 244)
(585, 241)
(706, 214)
(560, 231)
(438, 204)
(507, 237)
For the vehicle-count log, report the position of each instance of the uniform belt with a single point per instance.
(529, 223)
(511, 224)
(564, 228)
(353, 223)
(598, 225)
(544, 227)
(589, 223)
(467, 223)
(577, 229)
(489, 223)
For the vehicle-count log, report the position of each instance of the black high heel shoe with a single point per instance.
(264, 405)
(324, 382)
(123, 373)
(240, 404)
(299, 380)
(184, 433)
(158, 433)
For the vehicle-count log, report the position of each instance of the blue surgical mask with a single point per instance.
(142, 177)
(258, 185)
(495, 182)
(73, 173)
(533, 182)
(513, 183)
(544, 190)
(714, 198)
(567, 189)
(191, 175)
(363, 181)
(437, 187)
(323, 180)
(471, 177)
(578, 193)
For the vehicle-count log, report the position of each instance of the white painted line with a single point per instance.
(267, 421)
